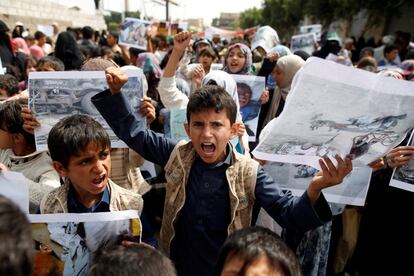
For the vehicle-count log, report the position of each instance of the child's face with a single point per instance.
(31, 67)
(278, 75)
(210, 132)
(205, 60)
(259, 266)
(244, 96)
(3, 94)
(6, 140)
(236, 59)
(88, 171)
(391, 55)
(44, 67)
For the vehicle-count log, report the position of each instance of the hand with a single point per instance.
(116, 78)
(198, 75)
(264, 98)
(273, 56)
(399, 156)
(181, 41)
(3, 168)
(241, 129)
(147, 109)
(260, 161)
(328, 176)
(29, 120)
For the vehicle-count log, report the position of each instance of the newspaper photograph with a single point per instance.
(304, 42)
(403, 177)
(334, 109)
(178, 117)
(315, 28)
(134, 33)
(55, 95)
(65, 244)
(249, 89)
(296, 178)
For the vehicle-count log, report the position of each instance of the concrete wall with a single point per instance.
(44, 12)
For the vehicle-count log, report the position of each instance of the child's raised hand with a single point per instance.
(29, 120)
(198, 75)
(181, 41)
(116, 78)
(328, 176)
(264, 98)
(147, 109)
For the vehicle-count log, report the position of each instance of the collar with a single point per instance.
(16, 160)
(75, 206)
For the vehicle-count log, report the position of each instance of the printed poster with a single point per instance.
(249, 89)
(334, 109)
(315, 28)
(134, 33)
(55, 95)
(304, 42)
(403, 177)
(65, 244)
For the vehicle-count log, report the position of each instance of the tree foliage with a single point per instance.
(286, 15)
(251, 17)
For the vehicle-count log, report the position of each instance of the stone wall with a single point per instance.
(43, 12)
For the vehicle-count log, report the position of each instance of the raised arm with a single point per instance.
(171, 97)
(121, 118)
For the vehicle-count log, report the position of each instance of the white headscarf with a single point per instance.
(226, 81)
(289, 65)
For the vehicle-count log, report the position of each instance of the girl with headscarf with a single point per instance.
(238, 60)
(21, 45)
(149, 63)
(284, 71)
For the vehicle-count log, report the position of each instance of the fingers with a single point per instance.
(264, 98)
(334, 175)
(116, 78)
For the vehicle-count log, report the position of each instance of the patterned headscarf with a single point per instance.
(21, 44)
(247, 64)
(281, 50)
(149, 63)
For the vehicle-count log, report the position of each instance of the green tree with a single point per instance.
(251, 17)
(283, 15)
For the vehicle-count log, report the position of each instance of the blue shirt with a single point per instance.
(75, 206)
(201, 225)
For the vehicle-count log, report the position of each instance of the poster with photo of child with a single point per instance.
(403, 177)
(134, 33)
(249, 89)
(67, 244)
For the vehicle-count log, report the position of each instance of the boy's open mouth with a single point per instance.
(98, 179)
(208, 147)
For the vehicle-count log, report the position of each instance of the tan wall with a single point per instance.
(43, 12)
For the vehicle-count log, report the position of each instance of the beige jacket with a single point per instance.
(38, 170)
(120, 199)
(241, 177)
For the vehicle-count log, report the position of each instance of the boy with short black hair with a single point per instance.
(9, 86)
(211, 188)
(132, 260)
(256, 250)
(18, 153)
(50, 63)
(80, 150)
(390, 53)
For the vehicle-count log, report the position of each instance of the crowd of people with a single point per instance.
(199, 212)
